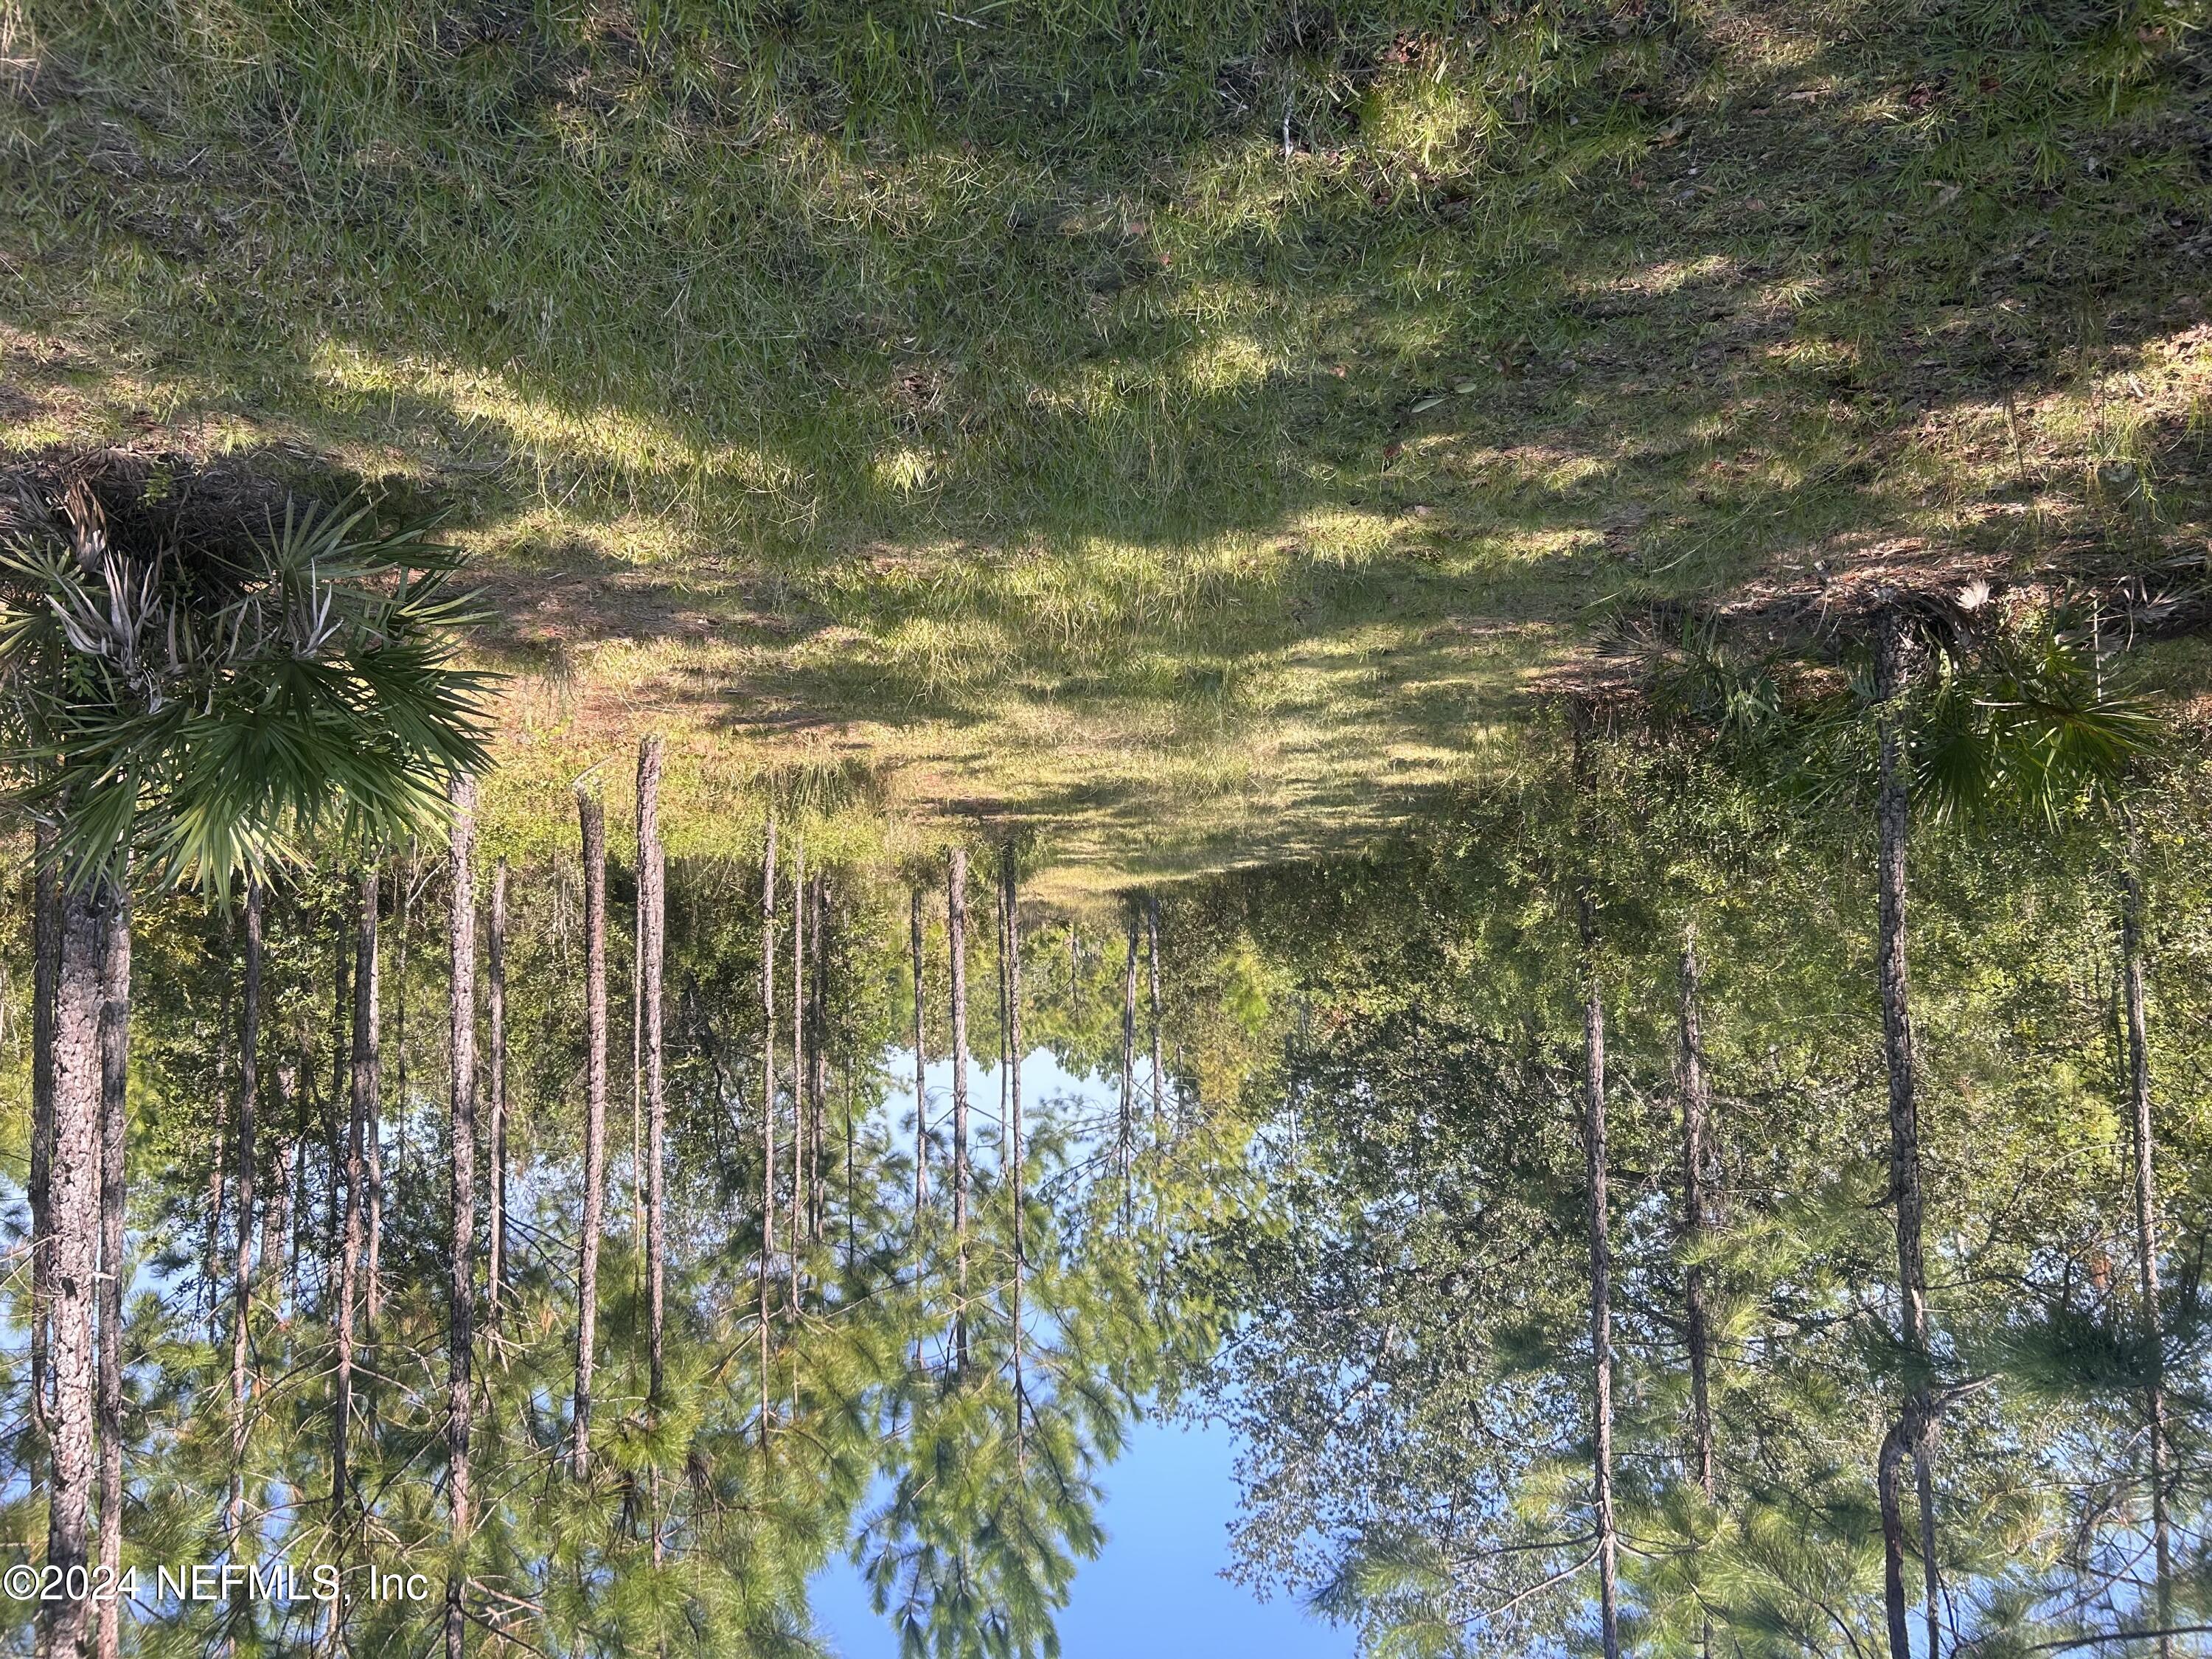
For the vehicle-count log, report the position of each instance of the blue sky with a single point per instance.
(1156, 1589)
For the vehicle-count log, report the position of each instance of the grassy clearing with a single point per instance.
(1188, 425)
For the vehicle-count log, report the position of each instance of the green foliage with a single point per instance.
(217, 708)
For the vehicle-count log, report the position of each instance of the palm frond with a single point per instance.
(211, 717)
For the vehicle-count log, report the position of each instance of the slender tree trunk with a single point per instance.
(956, 911)
(637, 1032)
(402, 1098)
(114, 1063)
(817, 1048)
(342, 954)
(2146, 1237)
(361, 1110)
(46, 945)
(297, 1218)
(652, 909)
(920, 1067)
(496, 1016)
(1011, 952)
(1696, 1108)
(73, 1218)
(402, 903)
(797, 1232)
(249, 1093)
(1889, 1488)
(1601, 1254)
(767, 1113)
(277, 1209)
(1128, 1127)
(1152, 968)
(460, 1340)
(1895, 649)
(593, 821)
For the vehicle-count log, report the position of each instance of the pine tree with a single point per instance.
(652, 904)
(767, 1113)
(956, 912)
(249, 1089)
(495, 1089)
(592, 819)
(460, 1341)
(73, 1216)
(921, 1067)
(114, 1061)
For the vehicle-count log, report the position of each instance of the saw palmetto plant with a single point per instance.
(208, 698)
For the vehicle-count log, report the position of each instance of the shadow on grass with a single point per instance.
(1283, 384)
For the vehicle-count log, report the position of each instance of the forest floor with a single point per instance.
(1189, 438)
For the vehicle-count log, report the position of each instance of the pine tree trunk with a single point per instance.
(1010, 953)
(1601, 1255)
(249, 1101)
(767, 1112)
(817, 1048)
(460, 1339)
(1889, 1488)
(956, 911)
(360, 1113)
(1894, 648)
(2146, 1239)
(1128, 1127)
(46, 937)
(921, 1067)
(1696, 1108)
(277, 1209)
(652, 907)
(342, 955)
(1153, 969)
(593, 820)
(495, 1017)
(402, 904)
(402, 1098)
(73, 1220)
(796, 1232)
(114, 1063)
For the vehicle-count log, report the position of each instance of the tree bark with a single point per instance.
(921, 1067)
(767, 1113)
(73, 1218)
(1893, 654)
(276, 1208)
(45, 936)
(1601, 1255)
(249, 1093)
(460, 1339)
(2147, 1238)
(402, 903)
(652, 923)
(1153, 969)
(402, 1098)
(797, 1230)
(1010, 954)
(495, 1017)
(593, 821)
(1128, 1127)
(1696, 1108)
(818, 1072)
(956, 911)
(1889, 1485)
(115, 1065)
(361, 1111)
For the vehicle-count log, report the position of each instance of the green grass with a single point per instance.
(981, 400)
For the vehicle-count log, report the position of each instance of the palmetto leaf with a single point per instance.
(211, 718)
(2026, 727)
